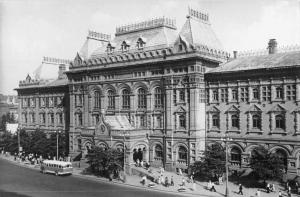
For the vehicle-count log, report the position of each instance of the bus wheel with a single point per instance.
(56, 173)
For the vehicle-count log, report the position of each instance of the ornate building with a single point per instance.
(255, 100)
(166, 93)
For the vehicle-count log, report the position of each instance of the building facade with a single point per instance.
(166, 93)
(255, 100)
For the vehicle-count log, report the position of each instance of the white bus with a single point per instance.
(56, 167)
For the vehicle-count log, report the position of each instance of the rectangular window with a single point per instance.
(291, 92)
(255, 93)
(234, 94)
(215, 95)
(224, 95)
(174, 97)
(266, 93)
(244, 94)
(181, 95)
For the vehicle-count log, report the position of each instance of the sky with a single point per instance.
(31, 29)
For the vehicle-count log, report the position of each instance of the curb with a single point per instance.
(89, 177)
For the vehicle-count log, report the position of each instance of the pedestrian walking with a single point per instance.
(289, 193)
(172, 181)
(268, 188)
(240, 189)
(180, 172)
(213, 189)
(280, 194)
(167, 181)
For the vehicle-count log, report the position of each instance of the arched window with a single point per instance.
(125, 99)
(125, 46)
(256, 123)
(216, 120)
(235, 156)
(79, 119)
(235, 121)
(182, 153)
(140, 43)
(280, 122)
(97, 100)
(158, 99)
(111, 99)
(182, 121)
(142, 99)
(158, 152)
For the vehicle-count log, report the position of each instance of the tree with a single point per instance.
(266, 165)
(105, 161)
(212, 164)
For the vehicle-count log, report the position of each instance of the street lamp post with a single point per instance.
(19, 143)
(57, 132)
(226, 139)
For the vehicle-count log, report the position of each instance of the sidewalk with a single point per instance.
(134, 181)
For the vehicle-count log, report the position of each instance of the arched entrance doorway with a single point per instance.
(282, 156)
(235, 157)
(140, 153)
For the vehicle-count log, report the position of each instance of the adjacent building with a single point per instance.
(166, 93)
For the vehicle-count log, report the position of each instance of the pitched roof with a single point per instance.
(277, 60)
(157, 37)
(199, 32)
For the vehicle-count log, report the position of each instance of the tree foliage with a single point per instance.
(36, 142)
(212, 164)
(266, 165)
(105, 161)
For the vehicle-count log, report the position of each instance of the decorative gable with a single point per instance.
(233, 109)
(254, 108)
(278, 108)
(180, 110)
(297, 110)
(78, 60)
(213, 109)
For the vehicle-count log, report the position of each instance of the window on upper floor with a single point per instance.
(234, 93)
(125, 46)
(235, 121)
(215, 95)
(181, 95)
(140, 43)
(125, 99)
(111, 99)
(174, 96)
(244, 94)
(79, 119)
(266, 93)
(256, 121)
(255, 93)
(158, 122)
(216, 120)
(78, 99)
(224, 95)
(32, 118)
(182, 122)
(110, 48)
(158, 98)
(291, 92)
(142, 98)
(97, 101)
(280, 122)
(43, 118)
(60, 118)
(279, 93)
(51, 118)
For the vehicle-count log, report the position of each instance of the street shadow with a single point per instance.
(11, 194)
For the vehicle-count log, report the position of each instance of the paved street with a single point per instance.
(22, 182)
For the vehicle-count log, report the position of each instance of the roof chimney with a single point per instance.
(272, 46)
(61, 70)
(234, 54)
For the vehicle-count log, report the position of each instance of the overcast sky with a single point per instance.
(31, 29)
